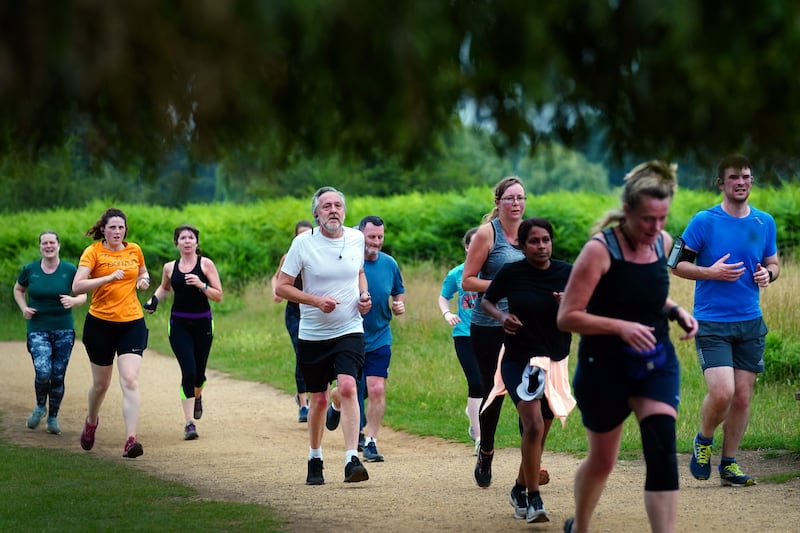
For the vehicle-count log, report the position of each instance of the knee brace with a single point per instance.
(658, 444)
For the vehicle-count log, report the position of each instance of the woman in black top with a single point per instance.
(617, 298)
(532, 341)
(195, 281)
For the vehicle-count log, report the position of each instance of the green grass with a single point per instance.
(426, 395)
(52, 490)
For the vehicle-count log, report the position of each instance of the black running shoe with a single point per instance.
(519, 501)
(332, 417)
(354, 471)
(315, 472)
(483, 469)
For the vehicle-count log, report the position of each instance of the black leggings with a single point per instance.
(191, 339)
(486, 342)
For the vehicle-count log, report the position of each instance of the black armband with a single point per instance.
(680, 253)
(151, 304)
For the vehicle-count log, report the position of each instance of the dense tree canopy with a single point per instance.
(138, 79)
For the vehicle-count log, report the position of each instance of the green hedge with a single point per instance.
(246, 241)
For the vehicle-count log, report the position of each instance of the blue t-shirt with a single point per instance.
(714, 233)
(466, 300)
(384, 281)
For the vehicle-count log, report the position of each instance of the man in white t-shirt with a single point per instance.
(330, 260)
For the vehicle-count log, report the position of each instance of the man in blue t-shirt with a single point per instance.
(731, 250)
(385, 284)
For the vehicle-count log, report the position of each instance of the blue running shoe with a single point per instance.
(535, 512)
(700, 464)
(52, 426)
(732, 476)
(371, 454)
(302, 414)
(36, 416)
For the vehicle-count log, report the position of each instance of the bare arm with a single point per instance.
(511, 322)
(477, 254)
(82, 283)
(213, 289)
(22, 302)
(399, 303)
(274, 280)
(444, 308)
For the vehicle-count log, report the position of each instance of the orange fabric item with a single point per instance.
(116, 301)
(556, 387)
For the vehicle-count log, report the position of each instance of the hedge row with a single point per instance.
(246, 241)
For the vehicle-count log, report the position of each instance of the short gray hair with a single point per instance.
(320, 192)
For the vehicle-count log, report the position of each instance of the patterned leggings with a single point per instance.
(50, 352)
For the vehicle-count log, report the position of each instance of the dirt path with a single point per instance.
(251, 449)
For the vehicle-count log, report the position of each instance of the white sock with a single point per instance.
(315, 453)
(348, 455)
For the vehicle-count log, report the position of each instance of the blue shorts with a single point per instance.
(376, 362)
(104, 339)
(512, 377)
(733, 344)
(321, 361)
(602, 388)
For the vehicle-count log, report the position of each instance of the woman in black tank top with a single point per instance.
(617, 299)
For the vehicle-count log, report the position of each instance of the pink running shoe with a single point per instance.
(133, 448)
(87, 435)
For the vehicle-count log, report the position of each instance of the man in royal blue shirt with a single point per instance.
(731, 250)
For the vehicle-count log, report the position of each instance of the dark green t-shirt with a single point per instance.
(44, 292)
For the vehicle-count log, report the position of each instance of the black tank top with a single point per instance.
(188, 299)
(628, 291)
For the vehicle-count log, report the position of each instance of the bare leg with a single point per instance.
(591, 476)
(348, 397)
(739, 414)
(101, 379)
(128, 368)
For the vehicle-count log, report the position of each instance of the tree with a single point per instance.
(667, 78)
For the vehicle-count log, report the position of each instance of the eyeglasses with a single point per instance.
(512, 199)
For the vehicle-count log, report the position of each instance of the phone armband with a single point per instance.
(676, 252)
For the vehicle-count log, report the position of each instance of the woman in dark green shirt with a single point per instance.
(43, 294)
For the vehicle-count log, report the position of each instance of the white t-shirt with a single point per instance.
(328, 267)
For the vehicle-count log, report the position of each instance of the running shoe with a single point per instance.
(535, 512)
(700, 463)
(361, 441)
(133, 448)
(190, 431)
(483, 469)
(371, 454)
(519, 501)
(732, 476)
(354, 471)
(52, 426)
(314, 476)
(87, 435)
(198, 408)
(332, 417)
(36, 416)
(568, 524)
(302, 414)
